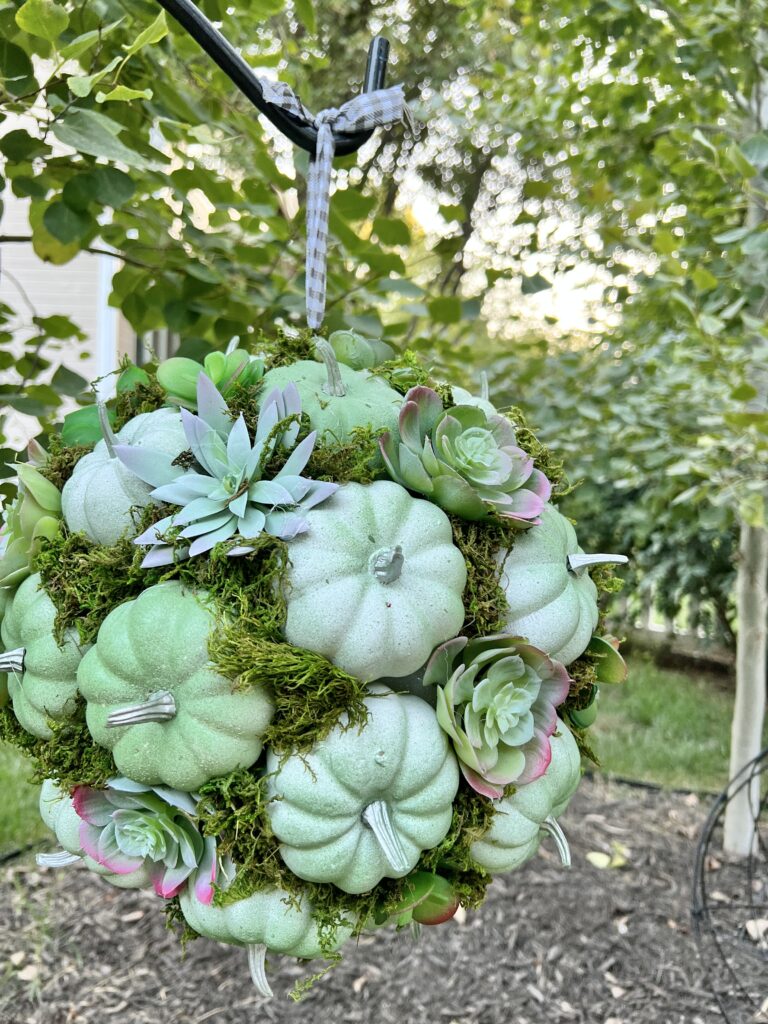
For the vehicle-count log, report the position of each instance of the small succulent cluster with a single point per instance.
(464, 460)
(307, 717)
(224, 495)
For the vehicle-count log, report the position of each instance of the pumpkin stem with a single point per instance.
(110, 438)
(484, 389)
(376, 817)
(160, 707)
(335, 385)
(551, 827)
(386, 564)
(577, 563)
(60, 859)
(257, 954)
(13, 661)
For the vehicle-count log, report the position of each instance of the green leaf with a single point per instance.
(68, 383)
(305, 12)
(744, 393)
(534, 283)
(732, 235)
(90, 132)
(703, 279)
(445, 310)
(81, 85)
(710, 324)
(452, 212)
(82, 426)
(111, 187)
(665, 242)
(121, 93)
(42, 18)
(65, 224)
(739, 161)
(755, 149)
(352, 205)
(391, 231)
(58, 326)
(20, 147)
(16, 71)
(752, 511)
(152, 34)
(44, 244)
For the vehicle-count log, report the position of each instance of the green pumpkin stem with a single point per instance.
(376, 817)
(59, 859)
(160, 707)
(386, 564)
(335, 385)
(578, 563)
(110, 439)
(13, 661)
(551, 827)
(257, 953)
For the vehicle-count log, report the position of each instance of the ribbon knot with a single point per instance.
(384, 107)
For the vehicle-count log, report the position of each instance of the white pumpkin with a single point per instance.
(376, 583)
(364, 803)
(552, 600)
(98, 498)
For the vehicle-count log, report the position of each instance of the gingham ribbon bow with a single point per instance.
(384, 107)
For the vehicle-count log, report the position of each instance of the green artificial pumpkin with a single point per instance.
(552, 600)
(58, 812)
(360, 353)
(522, 819)
(42, 677)
(6, 595)
(364, 803)
(99, 497)
(157, 703)
(269, 920)
(336, 398)
(376, 583)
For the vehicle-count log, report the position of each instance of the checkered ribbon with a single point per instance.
(384, 107)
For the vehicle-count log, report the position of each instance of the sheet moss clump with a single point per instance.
(357, 460)
(485, 604)
(70, 757)
(144, 396)
(281, 348)
(583, 673)
(62, 460)
(406, 371)
(550, 464)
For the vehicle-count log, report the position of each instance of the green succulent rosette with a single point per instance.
(33, 515)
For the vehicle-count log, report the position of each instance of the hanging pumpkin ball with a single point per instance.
(307, 648)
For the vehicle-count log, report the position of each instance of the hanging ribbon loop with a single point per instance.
(369, 110)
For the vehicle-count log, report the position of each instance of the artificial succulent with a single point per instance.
(129, 826)
(464, 460)
(179, 375)
(223, 496)
(496, 699)
(34, 514)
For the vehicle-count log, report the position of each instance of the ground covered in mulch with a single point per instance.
(592, 945)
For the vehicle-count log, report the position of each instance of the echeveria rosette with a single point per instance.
(464, 460)
(496, 699)
(224, 496)
(34, 514)
(128, 826)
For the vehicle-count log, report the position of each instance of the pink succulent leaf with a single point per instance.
(540, 485)
(412, 472)
(154, 468)
(211, 407)
(522, 505)
(440, 665)
(92, 806)
(112, 857)
(479, 784)
(430, 407)
(89, 840)
(409, 427)
(538, 755)
(503, 431)
(388, 449)
(205, 876)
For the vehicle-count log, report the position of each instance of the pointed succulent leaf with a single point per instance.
(154, 468)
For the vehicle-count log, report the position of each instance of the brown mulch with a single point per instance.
(589, 945)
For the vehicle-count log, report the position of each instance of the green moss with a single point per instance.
(484, 600)
(70, 756)
(62, 460)
(281, 348)
(357, 459)
(544, 458)
(583, 673)
(144, 396)
(243, 398)
(406, 372)
(605, 579)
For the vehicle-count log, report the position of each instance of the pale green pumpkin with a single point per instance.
(552, 600)
(337, 398)
(523, 819)
(100, 496)
(42, 677)
(268, 921)
(376, 583)
(58, 812)
(157, 703)
(364, 803)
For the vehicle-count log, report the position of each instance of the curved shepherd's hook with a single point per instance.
(242, 75)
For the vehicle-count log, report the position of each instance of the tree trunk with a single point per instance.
(749, 711)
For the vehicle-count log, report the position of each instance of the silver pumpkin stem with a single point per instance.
(335, 385)
(257, 964)
(552, 828)
(110, 438)
(577, 563)
(13, 661)
(160, 707)
(60, 859)
(376, 817)
(386, 564)
(484, 389)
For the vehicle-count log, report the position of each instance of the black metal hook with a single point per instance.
(299, 131)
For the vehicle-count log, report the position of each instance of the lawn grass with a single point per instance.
(670, 728)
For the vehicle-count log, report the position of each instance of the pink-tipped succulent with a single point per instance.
(496, 699)
(224, 496)
(464, 460)
(129, 826)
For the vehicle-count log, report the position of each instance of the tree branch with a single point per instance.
(94, 250)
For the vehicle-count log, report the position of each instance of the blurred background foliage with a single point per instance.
(580, 213)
